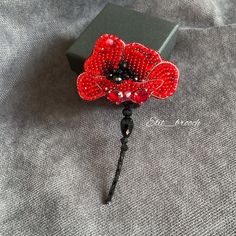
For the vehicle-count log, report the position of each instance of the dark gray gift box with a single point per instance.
(130, 26)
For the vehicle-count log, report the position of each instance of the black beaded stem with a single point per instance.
(126, 129)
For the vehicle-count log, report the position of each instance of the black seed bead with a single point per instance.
(132, 74)
(119, 72)
(126, 70)
(123, 64)
(127, 112)
(124, 140)
(110, 76)
(124, 147)
(118, 79)
(125, 75)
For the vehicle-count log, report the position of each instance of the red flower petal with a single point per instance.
(168, 73)
(141, 59)
(151, 85)
(90, 87)
(107, 54)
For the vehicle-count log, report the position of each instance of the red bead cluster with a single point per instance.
(156, 77)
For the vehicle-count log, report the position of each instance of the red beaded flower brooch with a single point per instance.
(126, 74)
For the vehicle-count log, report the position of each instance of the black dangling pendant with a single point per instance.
(126, 126)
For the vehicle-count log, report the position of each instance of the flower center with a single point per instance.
(122, 73)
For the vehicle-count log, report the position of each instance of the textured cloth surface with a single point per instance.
(58, 154)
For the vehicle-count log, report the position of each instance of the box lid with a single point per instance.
(130, 26)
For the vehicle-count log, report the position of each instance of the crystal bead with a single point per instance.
(115, 96)
(140, 96)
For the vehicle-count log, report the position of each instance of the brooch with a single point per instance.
(126, 74)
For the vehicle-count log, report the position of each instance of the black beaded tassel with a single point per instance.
(126, 126)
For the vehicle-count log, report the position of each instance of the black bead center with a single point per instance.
(121, 74)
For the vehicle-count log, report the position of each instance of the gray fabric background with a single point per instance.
(58, 153)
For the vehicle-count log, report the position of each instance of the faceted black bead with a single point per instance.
(123, 64)
(124, 147)
(117, 79)
(127, 112)
(127, 125)
(124, 140)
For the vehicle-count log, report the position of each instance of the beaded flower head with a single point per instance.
(125, 74)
